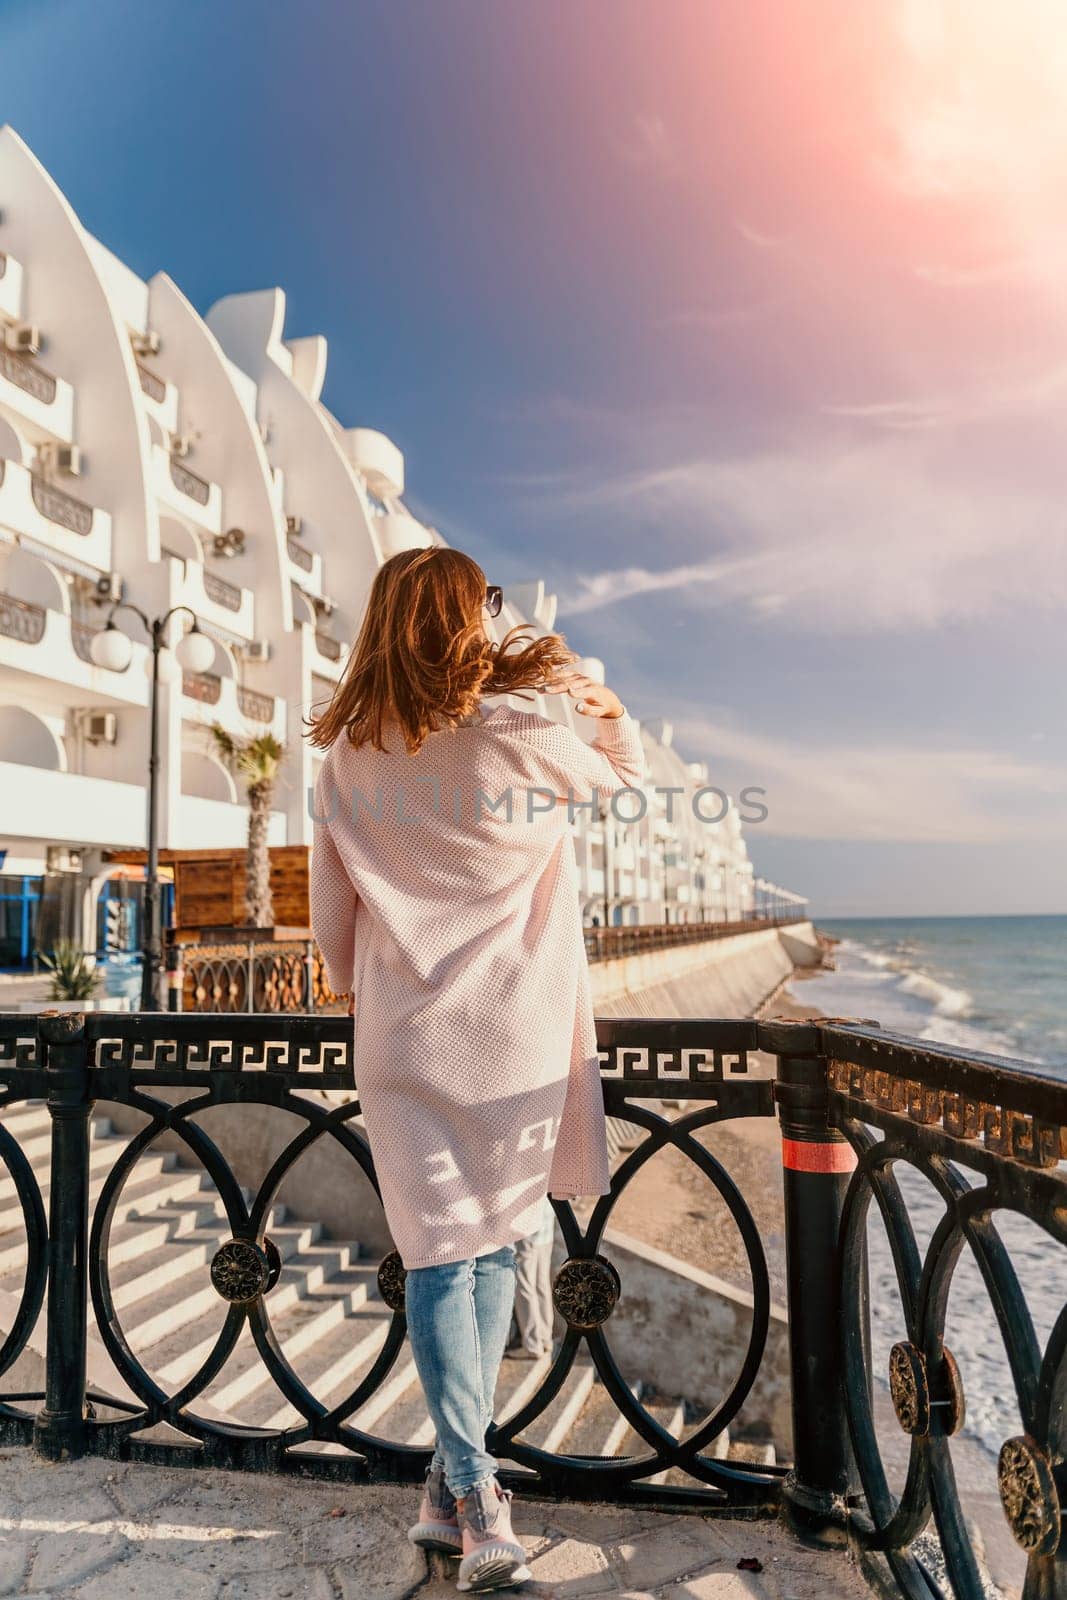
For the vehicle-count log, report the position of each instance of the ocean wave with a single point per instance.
(966, 1036)
(947, 1002)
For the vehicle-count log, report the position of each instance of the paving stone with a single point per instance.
(288, 1583)
(719, 1585)
(14, 1559)
(148, 1574)
(66, 1559)
(667, 1554)
(572, 1567)
(381, 1573)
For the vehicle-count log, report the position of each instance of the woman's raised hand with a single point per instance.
(591, 699)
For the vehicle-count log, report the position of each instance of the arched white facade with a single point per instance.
(211, 476)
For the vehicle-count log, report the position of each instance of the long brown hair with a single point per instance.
(422, 658)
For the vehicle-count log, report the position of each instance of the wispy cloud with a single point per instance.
(905, 792)
(876, 534)
(649, 142)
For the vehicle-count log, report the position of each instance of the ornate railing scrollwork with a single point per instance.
(850, 1119)
(189, 483)
(21, 619)
(151, 385)
(299, 553)
(28, 376)
(203, 686)
(257, 707)
(57, 506)
(328, 646)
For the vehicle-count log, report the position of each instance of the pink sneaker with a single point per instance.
(492, 1556)
(438, 1524)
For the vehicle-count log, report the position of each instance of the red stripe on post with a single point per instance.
(800, 1156)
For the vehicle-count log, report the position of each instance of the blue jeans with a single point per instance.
(458, 1320)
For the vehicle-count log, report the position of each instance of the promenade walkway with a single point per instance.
(97, 1530)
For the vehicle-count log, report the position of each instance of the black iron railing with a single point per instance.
(854, 1105)
(608, 944)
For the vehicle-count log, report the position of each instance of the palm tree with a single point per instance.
(256, 761)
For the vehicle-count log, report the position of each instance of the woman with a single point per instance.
(444, 899)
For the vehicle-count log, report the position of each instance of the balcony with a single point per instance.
(69, 807)
(216, 600)
(305, 566)
(10, 288)
(50, 515)
(378, 460)
(160, 397)
(235, 706)
(329, 653)
(184, 492)
(397, 531)
(36, 401)
(49, 644)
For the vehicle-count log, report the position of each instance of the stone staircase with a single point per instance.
(328, 1317)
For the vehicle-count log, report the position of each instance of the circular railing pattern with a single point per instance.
(924, 1380)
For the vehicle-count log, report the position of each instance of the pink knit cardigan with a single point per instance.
(457, 928)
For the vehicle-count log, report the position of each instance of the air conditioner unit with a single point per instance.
(294, 525)
(110, 588)
(61, 858)
(23, 338)
(258, 650)
(180, 444)
(101, 727)
(230, 543)
(68, 459)
(147, 343)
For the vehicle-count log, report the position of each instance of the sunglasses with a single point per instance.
(494, 599)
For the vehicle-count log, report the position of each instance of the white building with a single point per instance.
(149, 453)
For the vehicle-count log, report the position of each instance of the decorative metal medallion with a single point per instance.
(392, 1277)
(243, 1269)
(1029, 1496)
(586, 1291)
(922, 1406)
(909, 1388)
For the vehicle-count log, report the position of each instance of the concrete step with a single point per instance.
(553, 1426)
(158, 1179)
(33, 1116)
(151, 1272)
(103, 1153)
(330, 1337)
(166, 1328)
(598, 1429)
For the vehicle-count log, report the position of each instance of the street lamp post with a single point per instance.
(113, 649)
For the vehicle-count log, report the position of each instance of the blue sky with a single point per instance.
(740, 323)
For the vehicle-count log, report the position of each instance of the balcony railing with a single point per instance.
(60, 507)
(328, 646)
(608, 944)
(21, 619)
(34, 380)
(989, 1137)
(257, 707)
(223, 593)
(152, 385)
(3, 263)
(203, 686)
(82, 635)
(189, 483)
(299, 553)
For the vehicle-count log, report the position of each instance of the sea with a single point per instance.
(991, 984)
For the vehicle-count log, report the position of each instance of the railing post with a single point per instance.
(817, 1162)
(59, 1428)
(309, 964)
(175, 975)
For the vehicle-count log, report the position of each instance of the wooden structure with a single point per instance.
(215, 961)
(209, 885)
